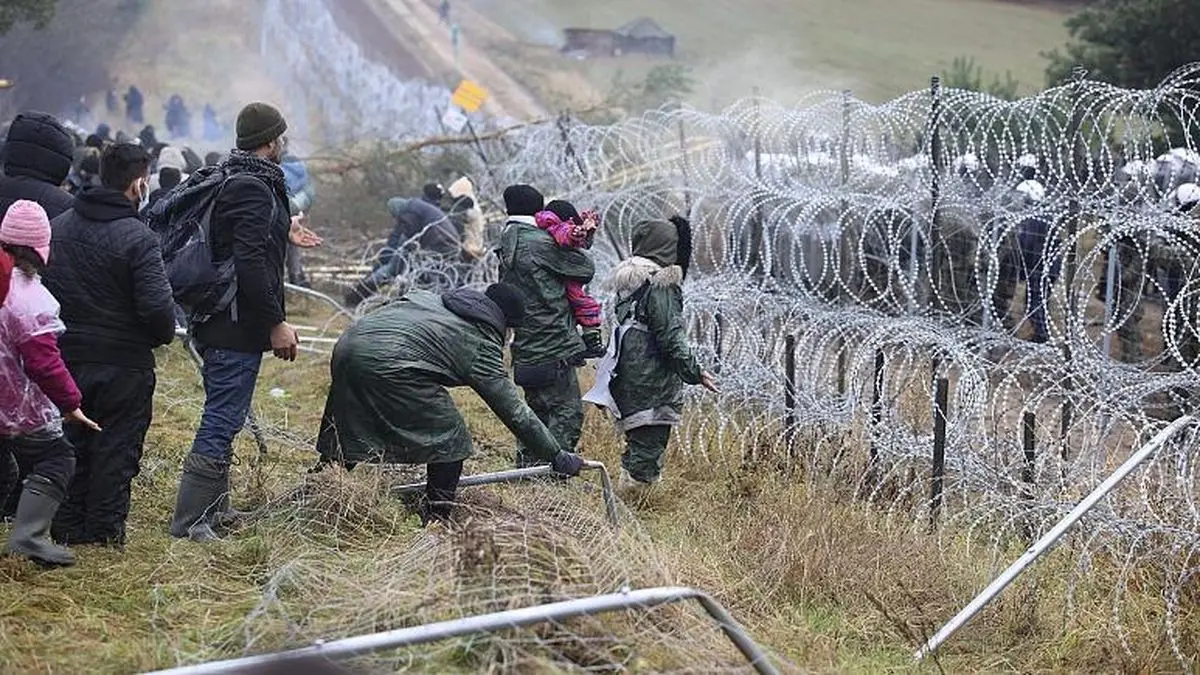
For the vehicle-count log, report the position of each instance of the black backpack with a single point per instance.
(183, 221)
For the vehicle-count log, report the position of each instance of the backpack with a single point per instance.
(183, 221)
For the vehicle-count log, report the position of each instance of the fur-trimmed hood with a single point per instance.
(635, 271)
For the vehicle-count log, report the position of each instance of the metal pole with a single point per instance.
(1050, 538)
(1110, 282)
(529, 473)
(1028, 429)
(940, 405)
(877, 403)
(789, 395)
(756, 232)
(497, 621)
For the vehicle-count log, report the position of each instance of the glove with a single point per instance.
(567, 463)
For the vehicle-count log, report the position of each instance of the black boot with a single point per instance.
(361, 291)
(31, 526)
(202, 487)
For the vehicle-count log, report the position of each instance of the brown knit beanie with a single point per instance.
(257, 125)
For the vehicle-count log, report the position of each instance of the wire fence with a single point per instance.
(1033, 261)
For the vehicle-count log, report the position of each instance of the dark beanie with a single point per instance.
(169, 177)
(564, 210)
(433, 192)
(257, 125)
(510, 301)
(523, 200)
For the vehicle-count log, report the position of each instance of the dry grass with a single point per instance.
(831, 584)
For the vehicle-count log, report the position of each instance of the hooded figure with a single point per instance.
(388, 400)
(171, 157)
(547, 348)
(467, 217)
(38, 153)
(649, 357)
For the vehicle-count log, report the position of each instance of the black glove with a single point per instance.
(567, 463)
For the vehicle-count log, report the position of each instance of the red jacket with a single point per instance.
(6, 268)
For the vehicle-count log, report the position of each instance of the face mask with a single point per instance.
(144, 198)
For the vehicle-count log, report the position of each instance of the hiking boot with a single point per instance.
(30, 535)
(202, 487)
(593, 342)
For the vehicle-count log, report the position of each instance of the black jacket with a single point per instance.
(38, 153)
(242, 228)
(106, 270)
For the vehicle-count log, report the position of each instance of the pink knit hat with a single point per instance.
(26, 224)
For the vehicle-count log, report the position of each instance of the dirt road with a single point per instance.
(413, 22)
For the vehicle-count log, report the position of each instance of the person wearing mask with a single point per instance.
(547, 348)
(388, 400)
(36, 391)
(107, 272)
(38, 153)
(250, 225)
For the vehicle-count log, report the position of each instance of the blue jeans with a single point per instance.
(229, 379)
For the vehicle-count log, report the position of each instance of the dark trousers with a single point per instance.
(120, 400)
(441, 487)
(645, 449)
(559, 406)
(46, 455)
(229, 379)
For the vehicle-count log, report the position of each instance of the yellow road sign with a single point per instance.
(469, 96)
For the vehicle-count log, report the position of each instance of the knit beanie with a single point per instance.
(26, 224)
(257, 125)
(523, 200)
(510, 301)
(564, 210)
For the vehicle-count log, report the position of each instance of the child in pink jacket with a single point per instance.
(36, 390)
(574, 230)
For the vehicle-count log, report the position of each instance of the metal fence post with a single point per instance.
(937, 483)
(935, 189)
(876, 404)
(789, 395)
(1028, 439)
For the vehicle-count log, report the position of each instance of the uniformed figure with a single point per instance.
(1178, 257)
(388, 399)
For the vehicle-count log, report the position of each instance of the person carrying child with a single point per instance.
(571, 229)
(36, 390)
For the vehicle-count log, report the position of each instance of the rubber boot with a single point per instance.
(205, 481)
(228, 517)
(31, 526)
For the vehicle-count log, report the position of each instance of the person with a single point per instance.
(388, 399)
(107, 272)
(421, 228)
(170, 158)
(250, 224)
(110, 102)
(467, 217)
(444, 12)
(133, 105)
(85, 172)
(179, 120)
(37, 391)
(38, 153)
(148, 137)
(1176, 255)
(212, 126)
(1040, 266)
(547, 348)
(650, 359)
(300, 200)
(573, 230)
(212, 159)
(168, 179)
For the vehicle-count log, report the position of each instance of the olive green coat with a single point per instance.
(388, 399)
(655, 358)
(531, 260)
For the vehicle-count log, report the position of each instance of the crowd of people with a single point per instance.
(98, 272)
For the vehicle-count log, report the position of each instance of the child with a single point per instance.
(36, 390)
(570, 228)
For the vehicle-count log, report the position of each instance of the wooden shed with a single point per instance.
(642, 36)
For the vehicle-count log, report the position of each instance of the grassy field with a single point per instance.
(785, 48)
(832, 585)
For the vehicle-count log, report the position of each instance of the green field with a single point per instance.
(876, 48)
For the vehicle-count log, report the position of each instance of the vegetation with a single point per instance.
(38, 12)
(965, 73)
(1130, 43)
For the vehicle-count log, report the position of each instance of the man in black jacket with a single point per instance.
(250, 224)
(38, 153)
(107, 273)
